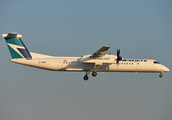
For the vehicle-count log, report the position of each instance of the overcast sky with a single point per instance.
(141, 29)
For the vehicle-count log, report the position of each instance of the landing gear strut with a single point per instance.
(96, 67)
(161, 75)
(86, 75)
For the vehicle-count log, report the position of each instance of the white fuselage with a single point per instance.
(72, 64)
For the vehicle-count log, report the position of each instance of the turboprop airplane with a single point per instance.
(96, 62)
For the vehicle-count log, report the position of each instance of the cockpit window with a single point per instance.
(156, 62)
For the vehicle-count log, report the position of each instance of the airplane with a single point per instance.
(99, 61)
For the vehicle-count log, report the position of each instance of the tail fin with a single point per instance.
(16, 46)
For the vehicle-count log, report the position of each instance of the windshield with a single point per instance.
(156, 62)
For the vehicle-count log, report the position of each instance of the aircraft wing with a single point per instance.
(101, 52)
(97, 57)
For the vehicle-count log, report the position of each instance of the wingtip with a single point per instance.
(106, 46)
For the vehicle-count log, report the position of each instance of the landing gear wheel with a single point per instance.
(86, 78)
(161, 75)
(94, 74)
(86, 75)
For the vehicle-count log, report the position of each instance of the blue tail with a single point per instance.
(16, 46)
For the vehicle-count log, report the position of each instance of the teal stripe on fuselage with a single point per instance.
(14, 54)
(14, 41)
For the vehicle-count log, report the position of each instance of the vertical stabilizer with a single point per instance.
(16, 46)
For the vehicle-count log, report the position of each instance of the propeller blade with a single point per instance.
(118, 57)
(118, 52)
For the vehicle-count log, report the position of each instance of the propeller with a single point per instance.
(118, 57)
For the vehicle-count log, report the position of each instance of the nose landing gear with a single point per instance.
(161, 75)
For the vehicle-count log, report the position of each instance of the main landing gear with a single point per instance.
(94, 73)
(161, 75)
(86, 75)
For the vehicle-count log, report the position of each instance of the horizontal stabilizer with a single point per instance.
(11, 35)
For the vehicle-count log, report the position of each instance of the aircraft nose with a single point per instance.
(165, 69)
